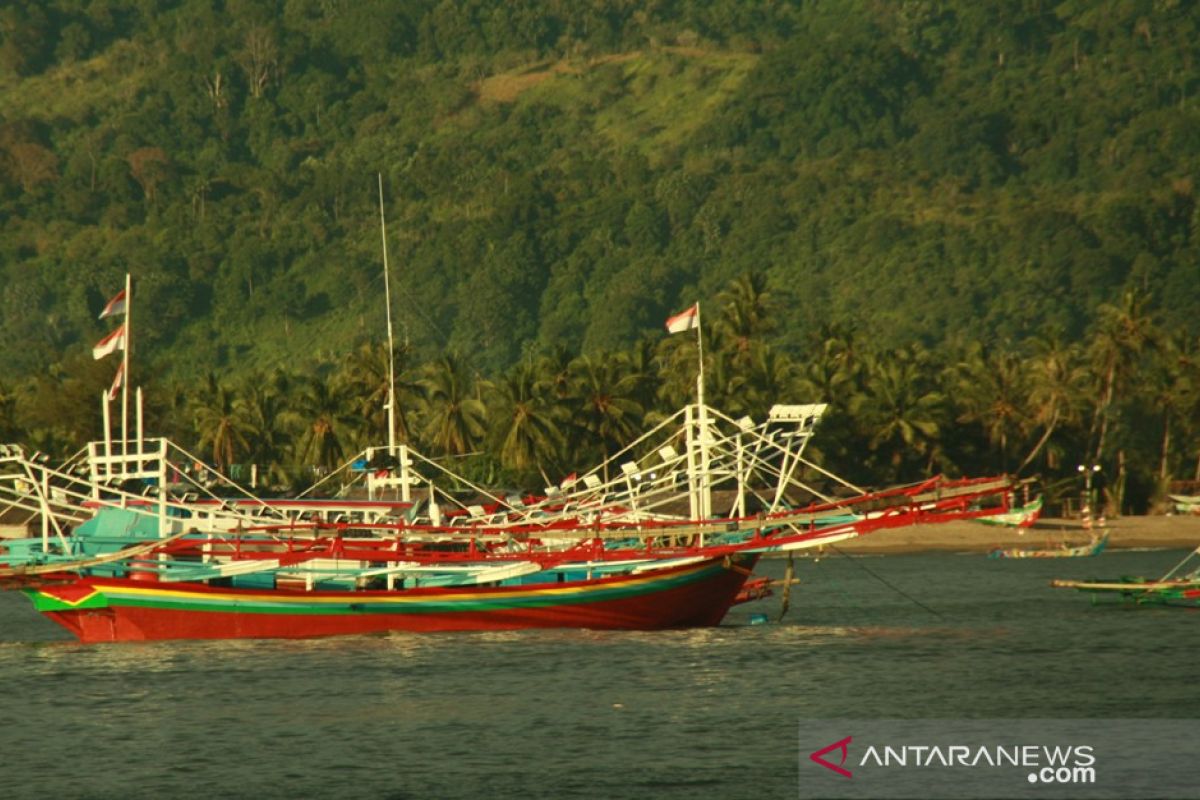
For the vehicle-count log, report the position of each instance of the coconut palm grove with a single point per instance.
(972, 228)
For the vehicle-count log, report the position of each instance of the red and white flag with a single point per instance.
(117, 380)
(115, 306)
(111, 343)
(685, 321)
(569, 481)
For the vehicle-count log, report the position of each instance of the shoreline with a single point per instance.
(1153, 532)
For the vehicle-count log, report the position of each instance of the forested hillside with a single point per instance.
(893, 183)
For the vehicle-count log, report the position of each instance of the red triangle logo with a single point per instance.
(844, 746)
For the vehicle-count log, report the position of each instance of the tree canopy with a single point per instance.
(953, 183)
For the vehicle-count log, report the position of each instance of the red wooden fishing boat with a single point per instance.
(661, 596)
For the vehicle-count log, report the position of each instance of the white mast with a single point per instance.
(705, 482)
(402, 455)
(125, 374)
(387, 295)
(699, 482)
(700, 352)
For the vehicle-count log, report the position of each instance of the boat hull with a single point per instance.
(119, 610)
(1184, 593)
(1093, 548)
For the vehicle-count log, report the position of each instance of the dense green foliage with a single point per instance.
(972, 221)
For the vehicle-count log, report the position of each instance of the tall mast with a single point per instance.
(704, 483)
(125, 373)
(387, 295)
(700, 358)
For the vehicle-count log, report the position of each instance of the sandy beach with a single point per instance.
(1124, 532)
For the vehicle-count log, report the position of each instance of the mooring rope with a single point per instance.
(893, 587)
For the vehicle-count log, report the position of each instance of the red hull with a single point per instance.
(679, 597)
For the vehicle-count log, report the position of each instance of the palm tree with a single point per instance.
(1190, 411)
(454, 413)
(745, 315)
(8, 414)
(554, 371)
(270, 420)
(767, 376)
(1165, 388)
(525, 433)
(169, 407)
(1122, 333)
(990, 389)
(365, 377)
(899, 407)
(639, 363)
(605, 408)
(676, 359)
(832, 371)
(220, 420)
(325, 417)
(1056, 390)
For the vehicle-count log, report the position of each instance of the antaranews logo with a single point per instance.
(842, 745)
(946, 759)
(1072, 764)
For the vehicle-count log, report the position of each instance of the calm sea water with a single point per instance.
(706, 713)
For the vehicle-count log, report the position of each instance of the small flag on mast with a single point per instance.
(111, 343)
(685, 321)
(115, 306)
(117, 380)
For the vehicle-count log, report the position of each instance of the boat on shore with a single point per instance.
(1186, 504)
(1091, 548)
(1019, 517)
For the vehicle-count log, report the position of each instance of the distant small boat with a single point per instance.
(1174, 592)
(1179, 587)
(1020, 517)
(1092, 548)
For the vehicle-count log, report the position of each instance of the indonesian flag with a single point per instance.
(685, 321)
(568, 481)
(117, 380)
(114, 341)
(115, 306)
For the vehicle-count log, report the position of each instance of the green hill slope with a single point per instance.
(566, 175)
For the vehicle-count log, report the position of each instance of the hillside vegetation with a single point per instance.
(899, 184)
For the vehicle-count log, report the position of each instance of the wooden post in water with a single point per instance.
(788, 576)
